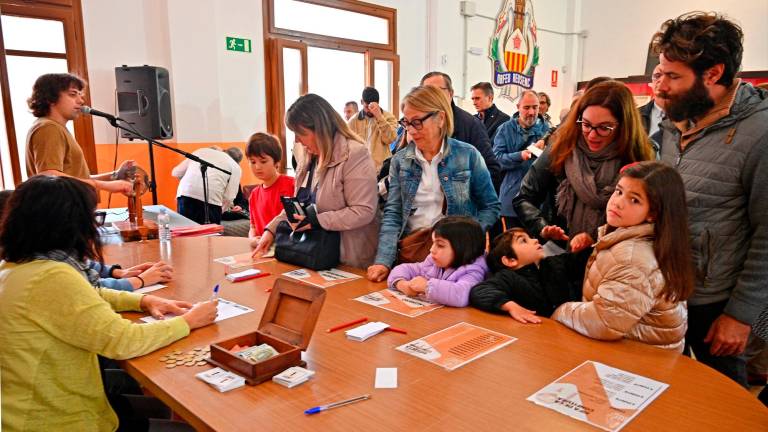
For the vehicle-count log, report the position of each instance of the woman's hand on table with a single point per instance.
(265, 242)
(157, 272)
(158, 307)
(201, 314)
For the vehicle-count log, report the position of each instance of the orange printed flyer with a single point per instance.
(457, 345)
(322, 278)
(600, 395)
(398, 302)
(242, 260)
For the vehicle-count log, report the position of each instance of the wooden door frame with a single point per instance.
(69, 12)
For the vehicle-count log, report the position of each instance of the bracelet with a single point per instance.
(142, 281)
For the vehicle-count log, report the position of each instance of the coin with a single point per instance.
(170, 366)
(163, 358)
(202, 363)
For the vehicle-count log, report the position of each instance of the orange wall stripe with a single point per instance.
(165, 160)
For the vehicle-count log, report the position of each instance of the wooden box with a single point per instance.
(287, 324)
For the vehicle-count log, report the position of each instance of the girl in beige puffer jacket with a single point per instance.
(640, 272)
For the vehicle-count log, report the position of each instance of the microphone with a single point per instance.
(85, 109)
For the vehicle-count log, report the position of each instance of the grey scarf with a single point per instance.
(91, 275)
(590, 178)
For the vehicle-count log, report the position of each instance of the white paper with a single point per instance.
(226, 309)
(365, 331)
(535, 150)
(149, 288)
(386, 378)
(233, 277)
(600, 395)
(336, 274)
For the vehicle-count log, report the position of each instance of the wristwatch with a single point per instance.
(112, 270)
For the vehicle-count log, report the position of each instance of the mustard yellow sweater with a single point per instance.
(52, 326)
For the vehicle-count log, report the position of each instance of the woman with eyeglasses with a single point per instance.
(564, 194)
(338, 176)
(432, 177)
(55, 318)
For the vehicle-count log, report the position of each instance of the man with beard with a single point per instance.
(510, 148)
(716, 137)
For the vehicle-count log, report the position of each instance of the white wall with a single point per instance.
(119, 33)
(219, 95)
(619, 33)
(556, 50)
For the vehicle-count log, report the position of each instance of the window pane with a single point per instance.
(382, 76)
(292, 91)
(328, 21)
(337, 76)
(32, 34)
(22, 73)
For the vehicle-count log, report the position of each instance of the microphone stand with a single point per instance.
(204, 165)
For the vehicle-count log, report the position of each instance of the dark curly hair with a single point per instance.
(47, 90)
(48, 213)
(702, 40)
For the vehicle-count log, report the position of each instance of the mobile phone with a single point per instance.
(292, 207)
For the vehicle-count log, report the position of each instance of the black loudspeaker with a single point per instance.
(144, 100)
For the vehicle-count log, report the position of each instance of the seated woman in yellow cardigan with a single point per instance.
(55, 319)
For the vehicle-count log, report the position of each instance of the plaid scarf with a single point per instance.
(91, 275)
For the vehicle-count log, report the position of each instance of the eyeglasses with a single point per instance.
(417, 123)
(601, 130)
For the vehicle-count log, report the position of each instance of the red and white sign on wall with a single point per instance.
(554, 77)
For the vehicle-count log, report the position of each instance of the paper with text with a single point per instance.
(398, 302)
(600, 395)
(322, 278)
(226, 309)
(457, 345)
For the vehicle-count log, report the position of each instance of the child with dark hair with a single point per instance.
(456, 262)
(640, 274)
(525, 283)
(264, 156)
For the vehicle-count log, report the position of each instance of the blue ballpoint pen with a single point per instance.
(215, 293)
(320, 408)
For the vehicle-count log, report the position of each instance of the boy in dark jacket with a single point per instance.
(525, 283)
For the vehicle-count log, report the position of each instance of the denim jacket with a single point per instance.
(465, 181)
(508, 146)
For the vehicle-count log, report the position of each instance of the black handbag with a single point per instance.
(315, 249)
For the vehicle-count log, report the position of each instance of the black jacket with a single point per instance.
(469, 129)
(557, 280)
(492, 119)
(645, 115)
(535, 203)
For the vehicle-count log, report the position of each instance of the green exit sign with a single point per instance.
(238, 44)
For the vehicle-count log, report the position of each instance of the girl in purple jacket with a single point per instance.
(455, 264)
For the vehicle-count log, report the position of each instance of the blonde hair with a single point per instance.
(313, 113)
(430, 99)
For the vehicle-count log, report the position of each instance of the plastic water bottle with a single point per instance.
(164, 226)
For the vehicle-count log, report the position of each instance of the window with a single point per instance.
(331, 48)
(36, 39)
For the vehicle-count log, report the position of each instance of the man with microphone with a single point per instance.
(51, 149)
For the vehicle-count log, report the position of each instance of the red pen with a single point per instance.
(257, 275)
(351, 323)
(396, 330)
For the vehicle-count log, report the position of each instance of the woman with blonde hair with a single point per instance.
(573, 180)
(338, 176)
(432, 177)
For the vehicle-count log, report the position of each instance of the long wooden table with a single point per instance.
(487, 394)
